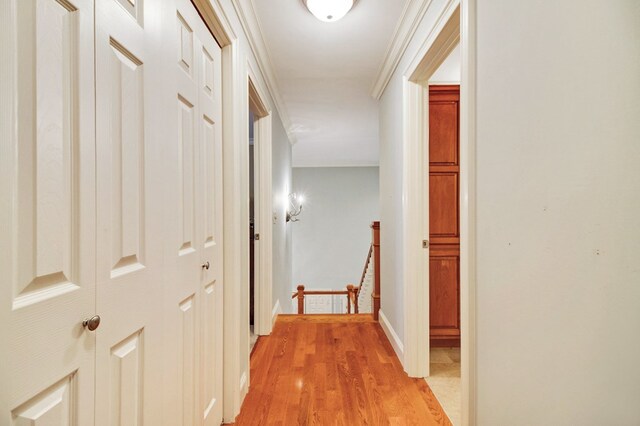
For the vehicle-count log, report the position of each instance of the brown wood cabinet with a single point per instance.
(444, 215)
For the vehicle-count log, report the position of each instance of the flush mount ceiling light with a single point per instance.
(329, 10)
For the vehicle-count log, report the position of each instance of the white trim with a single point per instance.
(243, 380)
(443, 83)
(234, 121)
(222, 23)
(325, 166)
(468, 196)
(277, 310)
(392, 336)
(244, 385)
(251, 26)
(415, 185)
(431, 55)
(263, 215)
(415, 227)
(411, 16)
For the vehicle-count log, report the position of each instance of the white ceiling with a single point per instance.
(324, 73)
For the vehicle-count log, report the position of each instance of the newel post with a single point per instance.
(349, 297)
(375, 295)
(300, 299)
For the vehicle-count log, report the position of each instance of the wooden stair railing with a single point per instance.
(367, 263)
(350, 292)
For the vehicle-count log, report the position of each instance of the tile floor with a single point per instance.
(445, 381)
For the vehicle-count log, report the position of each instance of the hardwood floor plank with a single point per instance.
(333, 370)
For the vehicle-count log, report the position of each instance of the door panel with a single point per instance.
(443, 291)
(127, 379)
(210, 94)
(444, 213)
(129, 206)
(187, 360)
(443, 130)
(53, 406)
(194, 221)
(111, 204)
(47, 210)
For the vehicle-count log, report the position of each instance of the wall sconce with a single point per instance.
(295, 207)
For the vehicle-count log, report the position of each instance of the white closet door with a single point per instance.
(194, 221)
(129, 142)
(47, 210)
(210, 96)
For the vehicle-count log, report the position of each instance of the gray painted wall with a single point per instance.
(332, 238)
(281, 174)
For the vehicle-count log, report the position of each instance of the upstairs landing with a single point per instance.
(333, 370)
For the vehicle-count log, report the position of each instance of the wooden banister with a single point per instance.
(353, 291)
(300, 299)
(375, 294)
(366, 264)
(351, 294)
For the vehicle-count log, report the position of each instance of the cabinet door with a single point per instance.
(47, 211)
(444, 297)
(444, 215)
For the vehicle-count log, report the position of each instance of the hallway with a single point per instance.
(333, 369)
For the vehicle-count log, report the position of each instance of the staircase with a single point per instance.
(365, 289)
(361, 299)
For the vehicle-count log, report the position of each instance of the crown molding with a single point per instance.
(251, 26)
(334, 165)
(414, 11)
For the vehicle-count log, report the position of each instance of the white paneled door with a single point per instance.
(193, 300)
(47, 211)
(129, 142)
(110, 205)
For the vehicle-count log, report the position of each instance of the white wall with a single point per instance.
(391, 168)
(558, 197)
(391, 249)
(558, 145)
(332, 238)
(282, 244)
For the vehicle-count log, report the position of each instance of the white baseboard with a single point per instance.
(277, 310)
(243, 385)
(395, 341)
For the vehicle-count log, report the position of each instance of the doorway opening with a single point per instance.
(439, 266)
(444, 234)
(260, 215)
(253, 336)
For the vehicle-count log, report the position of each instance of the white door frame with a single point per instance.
(263, 207)
(456, 25)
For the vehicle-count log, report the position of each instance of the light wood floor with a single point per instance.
(333, 370)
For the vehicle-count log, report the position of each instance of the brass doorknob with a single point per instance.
(91, 323)
(205, 265)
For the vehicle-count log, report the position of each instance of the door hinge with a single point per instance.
(425, 244)
(256, 237)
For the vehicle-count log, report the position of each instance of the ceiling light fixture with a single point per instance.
(329, 10)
